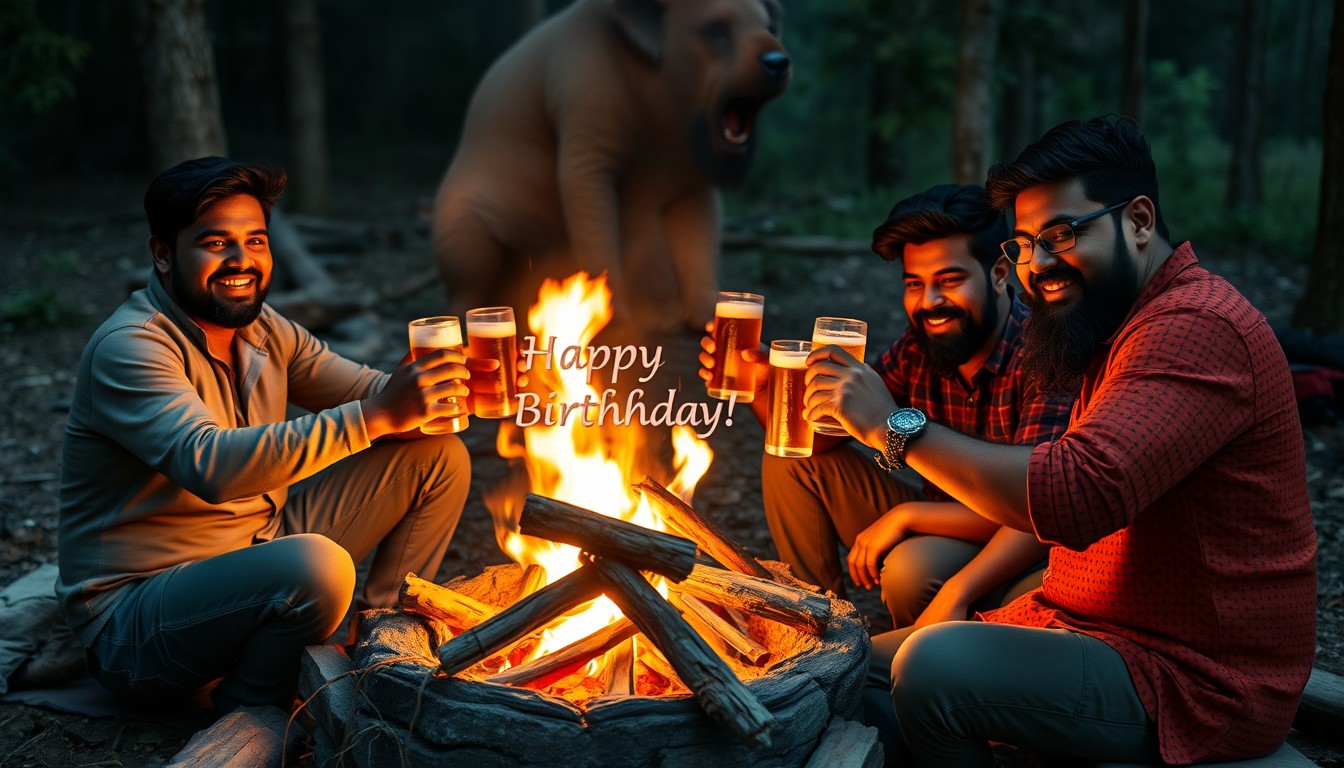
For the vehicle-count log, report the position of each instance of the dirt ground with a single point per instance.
(71, 248)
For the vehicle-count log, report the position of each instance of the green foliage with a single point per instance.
(1192, 163)
(34, 308)
(37, 64)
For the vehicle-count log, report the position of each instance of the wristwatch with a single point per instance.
(902, 426)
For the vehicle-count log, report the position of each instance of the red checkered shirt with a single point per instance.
(1001, 404)
(1177, 502)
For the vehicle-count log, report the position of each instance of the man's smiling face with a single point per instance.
(221, 265)
(1078, 296)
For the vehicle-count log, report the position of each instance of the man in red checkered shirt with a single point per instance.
(958, 361)
(1176, 621)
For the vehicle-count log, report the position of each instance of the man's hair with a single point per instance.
(181, 194)
(1108, 154)
(943, 211)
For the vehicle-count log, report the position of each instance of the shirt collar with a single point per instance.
(1181, 259)
(1017, 314)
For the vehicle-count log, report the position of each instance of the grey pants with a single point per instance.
(953, 688)
(813, 505)
(243, 617)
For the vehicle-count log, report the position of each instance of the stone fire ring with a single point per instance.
(808, 681)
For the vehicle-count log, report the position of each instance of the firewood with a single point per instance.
(716, 688)
(670, 556)
(534, 578)
(254, 736)
(443, 604)
(797, 608)
(740, 642)
(683, 519)
(847, 744)
(519, 620)
(618, 674)
(559, 663)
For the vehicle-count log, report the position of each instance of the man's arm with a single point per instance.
(1006, 555)
(989, 478)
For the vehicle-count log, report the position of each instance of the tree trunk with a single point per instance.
(1321, 309)
(1244, 174)
(884, 158)
(1020, 105)
(310, 182)
(1136, 64)
(177, 67)
(972, 119)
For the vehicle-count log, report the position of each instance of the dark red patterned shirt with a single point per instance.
(1001, 405)
(1177, 502)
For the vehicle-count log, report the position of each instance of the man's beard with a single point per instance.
(948, 350)
(226, 314)
(1062, 339)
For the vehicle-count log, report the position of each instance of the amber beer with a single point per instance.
(787, 433)
(848, 334)
(492, 334)
(737, 326)
(429, 334)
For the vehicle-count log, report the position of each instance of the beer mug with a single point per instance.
(848, 334)
(787, 433)
(427, 335)
(493, 335)
(737, 326)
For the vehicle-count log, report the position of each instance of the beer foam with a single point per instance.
(441, 336)
(740, 310)
(789, 358)
(839, 338)
(492, 329)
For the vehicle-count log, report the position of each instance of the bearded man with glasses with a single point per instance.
(1176, 620)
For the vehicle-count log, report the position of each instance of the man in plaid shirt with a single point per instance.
(935, 560)
(1176, 622)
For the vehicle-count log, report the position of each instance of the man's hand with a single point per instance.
(872, 545)
(948, 605)
(413, 394)
(758, 358)
(838, 385)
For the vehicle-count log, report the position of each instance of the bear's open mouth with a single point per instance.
(737, 120)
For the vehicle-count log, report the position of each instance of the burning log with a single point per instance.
(808, 611)
(670, 556)
(716, 688)
(683, 519)
(618, 676)
(519, 620)
(553, 666)
(443, 604)
(739, 641)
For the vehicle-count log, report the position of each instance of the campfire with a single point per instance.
(629, 631)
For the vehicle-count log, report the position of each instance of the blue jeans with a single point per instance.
(242, 618)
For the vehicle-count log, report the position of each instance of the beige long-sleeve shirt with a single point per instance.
(171, 456)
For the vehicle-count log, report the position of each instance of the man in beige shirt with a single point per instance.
(204, 537)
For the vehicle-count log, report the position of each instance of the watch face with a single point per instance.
(906, 421)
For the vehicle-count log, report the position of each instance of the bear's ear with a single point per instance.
(776, 14)
(641, 21)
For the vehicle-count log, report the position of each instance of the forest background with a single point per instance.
(1243, 101)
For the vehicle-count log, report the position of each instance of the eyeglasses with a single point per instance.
(1056, 239)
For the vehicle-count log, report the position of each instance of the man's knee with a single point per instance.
(321, 570)
(911, 576)
(928, 669)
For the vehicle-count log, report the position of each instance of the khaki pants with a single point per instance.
(813, 505)
(244, 617)
(953, 688)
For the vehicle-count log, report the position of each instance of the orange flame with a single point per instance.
(592, 467)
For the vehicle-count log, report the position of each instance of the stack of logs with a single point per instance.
(712, 581)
